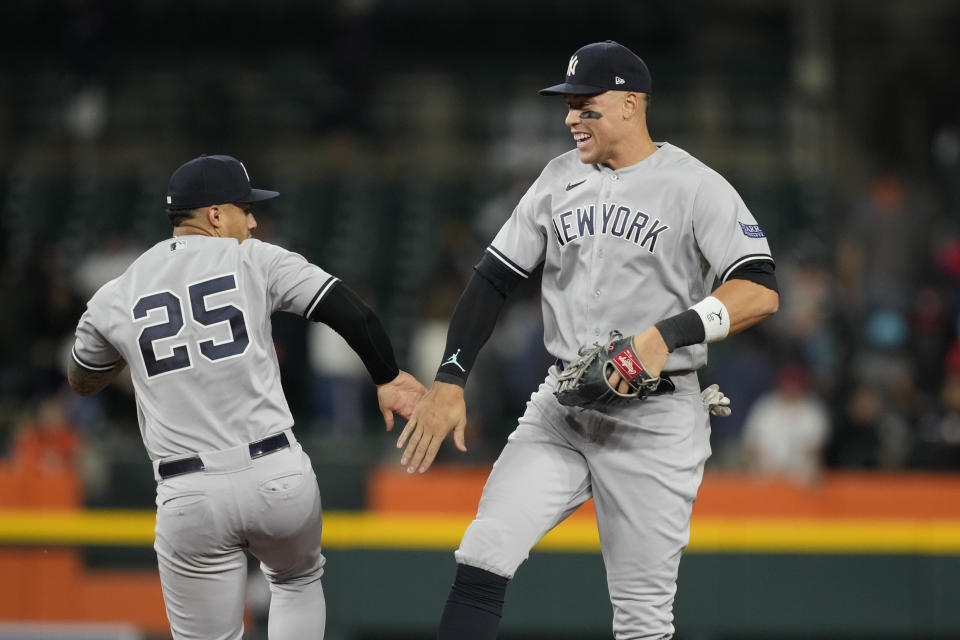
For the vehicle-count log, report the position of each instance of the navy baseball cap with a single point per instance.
(603, 66)
(210, 180)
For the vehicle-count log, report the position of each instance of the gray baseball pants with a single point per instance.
(642, 463)
(208, 520)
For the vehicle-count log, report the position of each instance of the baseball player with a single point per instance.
(632, 235)
(191, 317)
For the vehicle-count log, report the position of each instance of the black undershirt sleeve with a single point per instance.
(346, 313)
(759, 271)
(474, 317)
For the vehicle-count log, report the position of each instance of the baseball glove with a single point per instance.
(584, 382)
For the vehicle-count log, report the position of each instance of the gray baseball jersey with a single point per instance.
(621, 250)
(200, 351)
(624, 249)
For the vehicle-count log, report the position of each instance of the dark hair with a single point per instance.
(178, 216)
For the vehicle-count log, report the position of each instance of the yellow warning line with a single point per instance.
(361, 530)
(121, 528)
(936, 537)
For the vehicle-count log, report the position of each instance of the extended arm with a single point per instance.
(346, 313)
(443, 409)
(747, 297)
(747, 302)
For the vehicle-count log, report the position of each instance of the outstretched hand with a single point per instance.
(400, 395)
(441, 410)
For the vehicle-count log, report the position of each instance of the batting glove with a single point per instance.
(715, 402)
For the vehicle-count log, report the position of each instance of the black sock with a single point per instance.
(474, 606)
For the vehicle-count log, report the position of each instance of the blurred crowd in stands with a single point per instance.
(860, 369)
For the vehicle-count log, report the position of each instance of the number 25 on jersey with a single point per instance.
(201, 314)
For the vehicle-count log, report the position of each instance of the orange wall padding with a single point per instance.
(439, 490)
(839, 494)
(25, 486)
(52, 585)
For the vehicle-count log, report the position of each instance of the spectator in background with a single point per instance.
(946, 151)
(871, 431)
(938, 442)
(744, 373)
(878, 416)
(45, 440)
(890, 226)
(947, 258)
(805, 304)
(787, 428)
(931, 326)
(42, 307)
(880, 259)
(339, 382)
(84, 47)
(848, 305)
(104, 263)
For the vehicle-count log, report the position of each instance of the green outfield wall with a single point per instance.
(397, 595)
(387, 576)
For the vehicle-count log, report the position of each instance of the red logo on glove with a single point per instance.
(627, 364)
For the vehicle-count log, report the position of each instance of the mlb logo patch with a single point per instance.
(751, 230)
(177, 244)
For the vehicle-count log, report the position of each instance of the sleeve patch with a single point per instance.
(751, 230)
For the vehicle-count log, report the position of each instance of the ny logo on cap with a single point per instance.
(572, 66)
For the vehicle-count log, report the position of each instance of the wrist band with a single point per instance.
(716, 320)
(706, 321)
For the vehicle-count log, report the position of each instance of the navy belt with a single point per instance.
(190, 465)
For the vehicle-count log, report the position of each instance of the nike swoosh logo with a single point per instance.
(575, 184)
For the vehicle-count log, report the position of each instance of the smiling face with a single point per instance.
(617, 137)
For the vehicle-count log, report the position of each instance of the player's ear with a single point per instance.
(213, 216)
(631, 105)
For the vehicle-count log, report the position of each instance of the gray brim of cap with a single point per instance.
(256, 195)
(571, 89)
